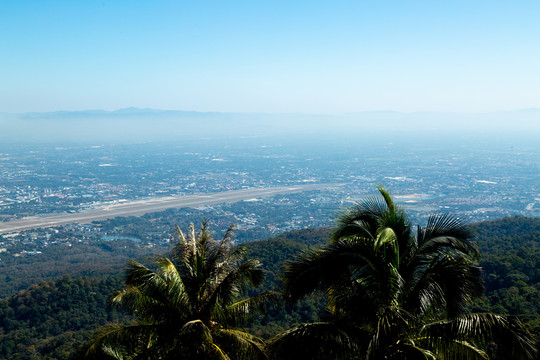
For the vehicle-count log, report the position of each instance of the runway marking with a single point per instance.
(141, 207)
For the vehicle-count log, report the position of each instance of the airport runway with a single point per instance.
(140, 207)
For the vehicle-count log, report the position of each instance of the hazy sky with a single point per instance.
(270, 56)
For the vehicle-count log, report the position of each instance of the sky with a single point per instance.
(328, 57)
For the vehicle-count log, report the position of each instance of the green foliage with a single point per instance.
(273, 253)
(97, 259)
(508, 234)
(513, 285)
(511, 265)
(188, 305)
(52, 318)
(395, 293)
(510, 262)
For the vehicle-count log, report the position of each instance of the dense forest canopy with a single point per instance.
(53, 318)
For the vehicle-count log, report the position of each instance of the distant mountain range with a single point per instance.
(134, 124)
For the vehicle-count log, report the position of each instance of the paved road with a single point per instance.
(140, 207)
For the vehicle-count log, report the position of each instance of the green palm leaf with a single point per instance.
(323, 340)
(390, 291)
(184, 305)
(484, 328)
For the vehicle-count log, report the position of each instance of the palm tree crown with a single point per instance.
(394, 292)
(186, 306)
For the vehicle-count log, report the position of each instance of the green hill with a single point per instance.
(510, 250)
(511, 233)
(51, 319)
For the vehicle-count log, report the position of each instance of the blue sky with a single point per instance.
(270, 56)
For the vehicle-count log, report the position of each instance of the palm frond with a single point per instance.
(196, 333)
(228, 238)
(446, 231)
(387, 241)
(192, 238)
(387, 198)
(240, 344)
(178, 235)
(391, 323)
(323, 340)
(118, 342)
(483, 328)
(322, 268)
(246, 309)
(222, 355)
(168, 270)
(223, 292)
(465, 350)
(147, 292)
(381, 277)
(133, 300)
(363, 219)
(446, 282)
(181, 301)
(413, 352)
(114, 352)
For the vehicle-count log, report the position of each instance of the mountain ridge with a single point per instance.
(136, 124)
(133, 109)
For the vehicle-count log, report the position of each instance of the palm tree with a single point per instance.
(394, 292)
(188, 305)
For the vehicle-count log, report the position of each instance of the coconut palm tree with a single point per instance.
(394, 292)
(186, 307)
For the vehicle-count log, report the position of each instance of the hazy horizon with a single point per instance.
(135, 125)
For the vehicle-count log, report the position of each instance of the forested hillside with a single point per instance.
(54, 318)
(511, 233)
(98, 259)
(511, 264)
(51, 319)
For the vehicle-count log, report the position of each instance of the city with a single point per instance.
(471, 180)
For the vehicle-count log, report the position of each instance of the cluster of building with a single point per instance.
(47, 180)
